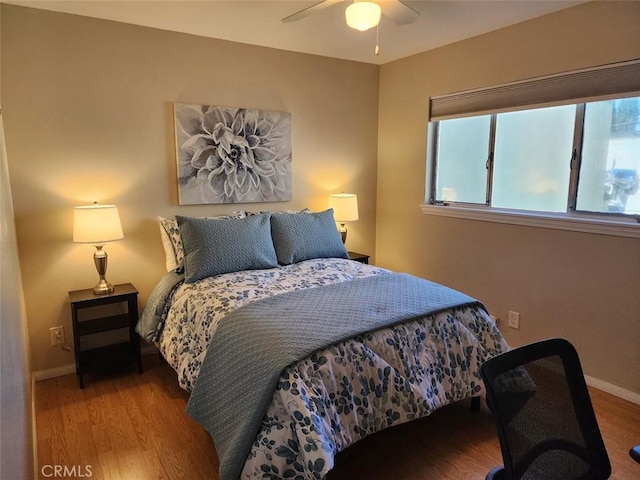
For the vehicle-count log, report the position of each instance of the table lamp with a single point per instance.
(97, 224)
(345, 209)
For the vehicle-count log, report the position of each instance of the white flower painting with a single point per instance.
(232, 155)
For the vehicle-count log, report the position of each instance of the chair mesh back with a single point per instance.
(544, 416)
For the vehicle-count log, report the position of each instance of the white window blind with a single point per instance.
(569, 87)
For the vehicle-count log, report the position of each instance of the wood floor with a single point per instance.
(134, 427)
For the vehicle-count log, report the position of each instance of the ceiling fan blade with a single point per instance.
(316, 7)
(398, 12)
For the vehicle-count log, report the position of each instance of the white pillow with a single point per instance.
(169, 254)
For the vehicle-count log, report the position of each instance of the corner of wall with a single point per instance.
(16, 387)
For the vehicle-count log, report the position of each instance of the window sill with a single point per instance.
(558, 221)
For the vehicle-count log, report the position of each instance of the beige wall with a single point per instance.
(16, 457)
(88, 116)
(581, 286)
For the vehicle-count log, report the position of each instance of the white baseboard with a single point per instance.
(54, 372)
(614, 390)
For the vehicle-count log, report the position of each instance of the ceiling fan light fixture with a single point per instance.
(363, 15)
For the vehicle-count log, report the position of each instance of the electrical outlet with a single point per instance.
(514, 319)
(495, 319)
(56, 335)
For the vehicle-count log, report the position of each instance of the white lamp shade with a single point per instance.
(363, 15)
(96, 224)
(345, 206)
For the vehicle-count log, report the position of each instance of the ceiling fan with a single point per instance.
(363, 15)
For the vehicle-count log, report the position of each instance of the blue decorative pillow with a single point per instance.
(213, 247)
(172, 243)
(302, 236)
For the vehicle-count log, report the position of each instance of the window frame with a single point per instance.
(606, 223)
(557, 221)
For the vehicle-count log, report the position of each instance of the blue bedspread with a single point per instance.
(255, 343)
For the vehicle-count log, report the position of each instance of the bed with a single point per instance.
(292, 352)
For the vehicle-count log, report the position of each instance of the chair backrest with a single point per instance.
(544, 417)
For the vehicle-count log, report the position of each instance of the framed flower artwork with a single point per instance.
(232, 155)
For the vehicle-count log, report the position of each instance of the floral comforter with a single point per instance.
(343, 393)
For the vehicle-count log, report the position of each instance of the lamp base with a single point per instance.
(103, 288)
(343, 232)
(100, 259)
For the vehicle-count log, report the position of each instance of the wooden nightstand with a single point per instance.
(359, 257)
(90, 351)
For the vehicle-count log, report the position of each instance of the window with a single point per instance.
(546, 157)
(610, 157)
(531, 160)
(464, 177)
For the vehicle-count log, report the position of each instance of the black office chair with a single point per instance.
(543, 414)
